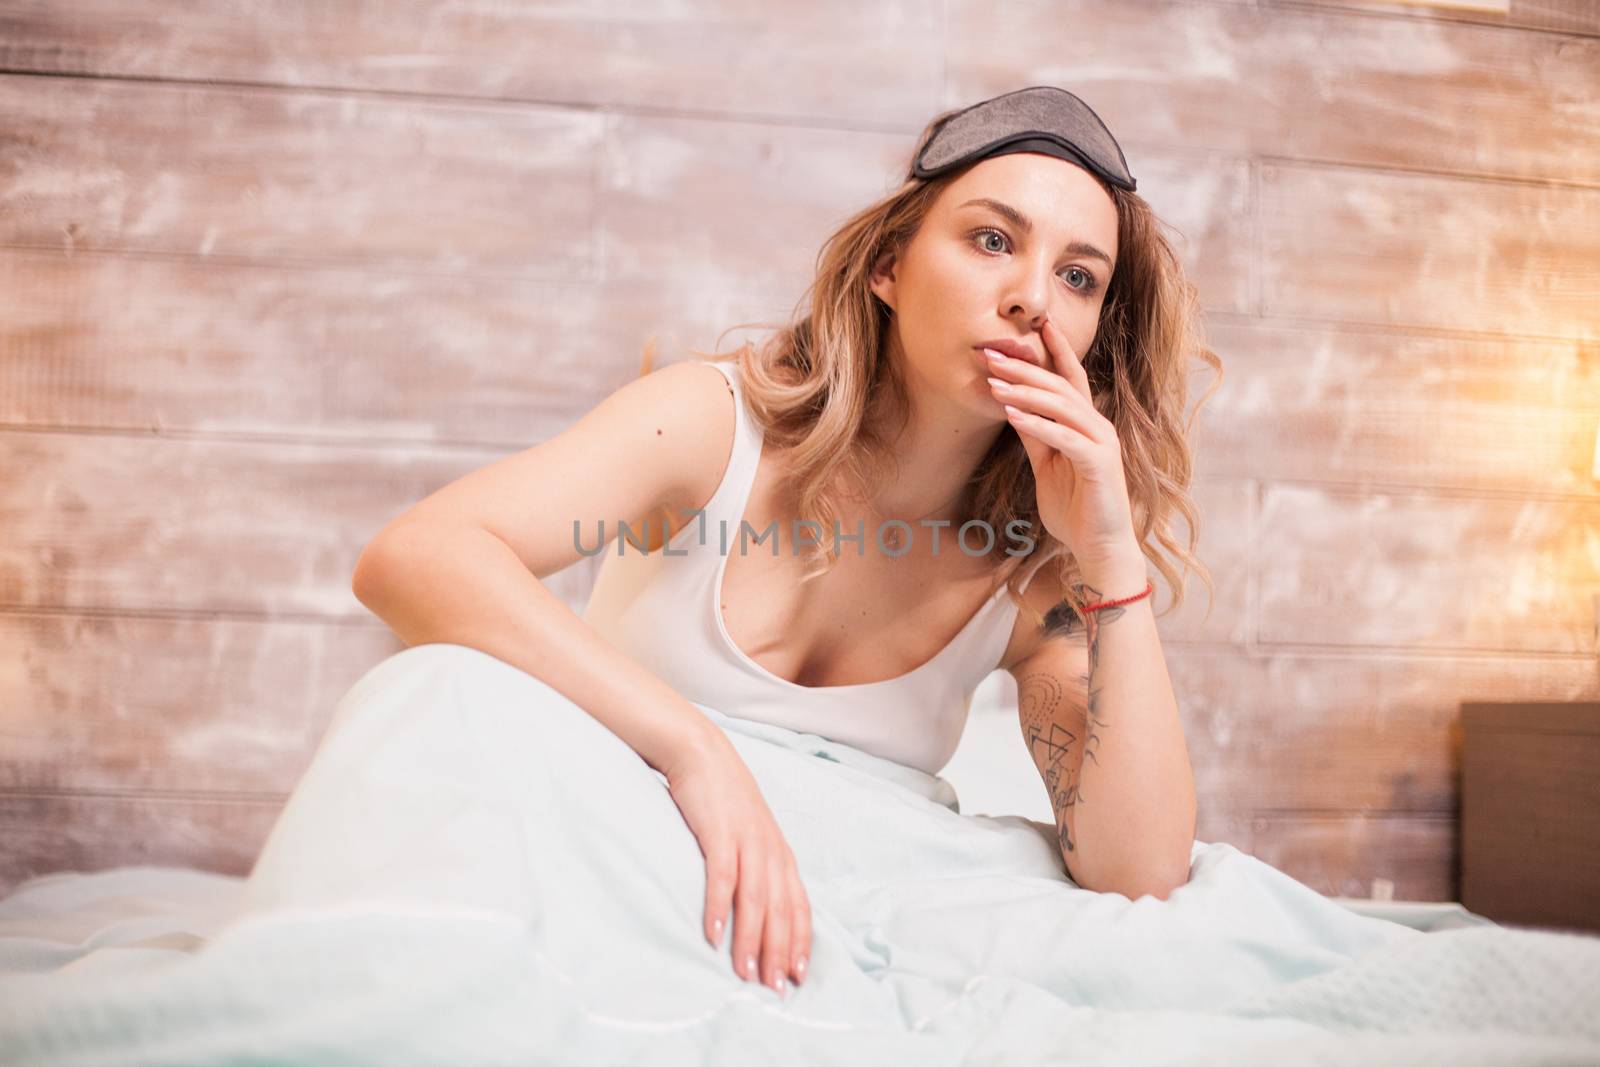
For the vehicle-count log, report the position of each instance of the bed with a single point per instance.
(475, 871)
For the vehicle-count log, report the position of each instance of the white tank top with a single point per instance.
(662, 609)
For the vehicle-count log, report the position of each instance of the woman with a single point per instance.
(881, 417)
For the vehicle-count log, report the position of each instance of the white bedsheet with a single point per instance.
(475, 871)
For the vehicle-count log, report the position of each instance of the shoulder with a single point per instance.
(699, 402)
(694, 383)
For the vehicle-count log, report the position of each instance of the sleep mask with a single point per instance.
(1040, 118)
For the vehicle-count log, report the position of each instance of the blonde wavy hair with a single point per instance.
(812, 382)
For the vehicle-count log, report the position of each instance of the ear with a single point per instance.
(881, 280)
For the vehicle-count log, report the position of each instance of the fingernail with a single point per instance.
(716, 934)
(749, 966)
(781, 986)
(998, 384)
(800, 971)
(992, 354)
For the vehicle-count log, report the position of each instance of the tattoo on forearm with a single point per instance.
(1055, 748)
(1093, 624)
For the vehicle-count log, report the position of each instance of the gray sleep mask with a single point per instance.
(1040, 118)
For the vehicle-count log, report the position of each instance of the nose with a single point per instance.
(1027, 300)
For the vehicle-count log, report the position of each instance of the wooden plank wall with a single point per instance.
(271, 273)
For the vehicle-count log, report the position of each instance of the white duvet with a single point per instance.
(475, 871)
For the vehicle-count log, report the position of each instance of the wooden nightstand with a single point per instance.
(1530, 813)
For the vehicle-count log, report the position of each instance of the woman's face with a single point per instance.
(971, 274)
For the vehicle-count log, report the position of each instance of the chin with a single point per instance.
(988, 404)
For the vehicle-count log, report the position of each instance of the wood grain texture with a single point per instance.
(1340, 854)
(207, 526)
(1426, 570)
(691, 55)
(114, 703)
(1530, 780)
(50, 834)
(269, 274)
(1419, 250)
(1346, 405)
(1322, 730)
(197, 170)
(386, 356)
(1300, 83)
(1555, 16)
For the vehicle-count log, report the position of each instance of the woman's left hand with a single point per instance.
(1074, 451)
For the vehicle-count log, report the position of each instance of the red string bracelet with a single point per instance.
(1149, 587)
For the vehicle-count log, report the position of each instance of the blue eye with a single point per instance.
(1093, 282)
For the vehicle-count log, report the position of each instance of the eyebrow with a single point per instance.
(1021, 222)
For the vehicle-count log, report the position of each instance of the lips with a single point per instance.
(1014, 349)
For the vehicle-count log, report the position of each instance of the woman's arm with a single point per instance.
(460, 584)
(1101, 722)
(464, 565)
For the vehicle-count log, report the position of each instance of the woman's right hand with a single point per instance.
(749, 865)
